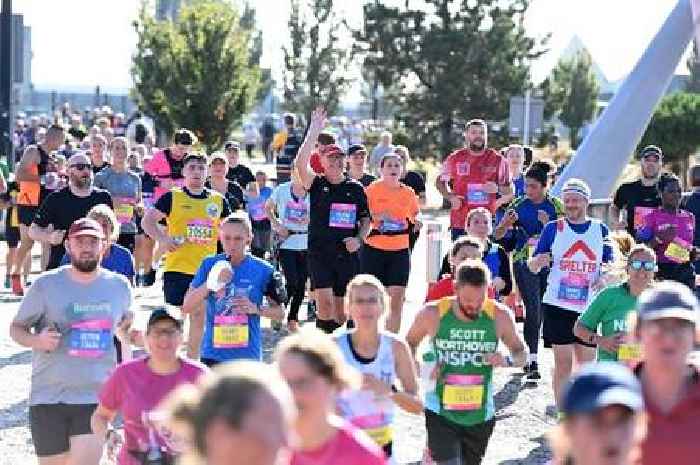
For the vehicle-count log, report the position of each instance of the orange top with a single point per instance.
(392, 210)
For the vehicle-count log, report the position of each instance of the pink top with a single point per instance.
(350, 446)
(133, 389)
(659, 219)
(159, 168)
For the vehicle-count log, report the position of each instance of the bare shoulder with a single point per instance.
(503, 315)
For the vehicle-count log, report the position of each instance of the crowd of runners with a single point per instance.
(616, 304)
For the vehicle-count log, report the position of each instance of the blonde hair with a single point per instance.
(478, 211)
(103, 212)
(322, 355)
(367, 280)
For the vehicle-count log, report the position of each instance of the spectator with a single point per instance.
(384, 146)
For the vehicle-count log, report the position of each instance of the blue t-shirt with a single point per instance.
(528, 225)
(519, 185)
(544, 245)
(119, 260)
(255, 206)
(251, 276)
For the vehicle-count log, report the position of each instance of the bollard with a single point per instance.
(433, 262)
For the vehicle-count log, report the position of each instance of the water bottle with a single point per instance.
(427, 367)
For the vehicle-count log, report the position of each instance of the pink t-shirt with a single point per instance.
(676, 250)
(350, 446)
(133, 389)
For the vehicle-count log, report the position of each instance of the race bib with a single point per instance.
(391, 225)
(343, 215)
(574, 289)
(256, 210)
(639, 214)
(90, 338)
(463, 392)
(199, 231)
(677, 251)
(369, 413)
(296, 212)
(476, 195)
(124, 209)
(629, 352)
(230, 331)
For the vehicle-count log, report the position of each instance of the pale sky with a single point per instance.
(88, 42)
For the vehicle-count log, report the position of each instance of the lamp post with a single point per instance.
(6, 81)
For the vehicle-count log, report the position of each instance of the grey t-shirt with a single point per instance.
(86, 315)
(125, 189)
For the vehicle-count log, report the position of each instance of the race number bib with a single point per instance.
(463, 392)
(369, 413)
(677, 251)
(199, 231)
(90, 338)
(388, 225)
(230, 331)
(574, 289)
(256, 209)
(343, 215)
(629, 352)
(296, 212)
(124, 209)
(476, 195)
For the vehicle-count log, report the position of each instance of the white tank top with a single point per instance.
(362, 408)
(576, 265)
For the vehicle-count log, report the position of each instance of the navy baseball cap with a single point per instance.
(651, 150)
(356, 148)
(599, 385)
(160, 314)
(668, 299)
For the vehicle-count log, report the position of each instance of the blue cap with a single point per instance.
(599, 385)
(668, 299)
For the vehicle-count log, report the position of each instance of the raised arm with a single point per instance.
(301, 162)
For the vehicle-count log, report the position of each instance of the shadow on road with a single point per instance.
(15, 415)
(539, 455)
(508, 393)
(20, 358)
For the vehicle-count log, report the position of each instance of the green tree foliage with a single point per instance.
(571, 93)
(196, 72)
(316, 62)
(455, 60)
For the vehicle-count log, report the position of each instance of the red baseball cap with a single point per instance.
(331, 151)
(86, 227)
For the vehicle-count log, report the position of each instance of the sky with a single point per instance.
(83, 43)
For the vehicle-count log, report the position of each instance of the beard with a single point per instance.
(81, 182)
(477, 145)
(87, 265)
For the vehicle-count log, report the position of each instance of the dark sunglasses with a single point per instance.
(81, 166)
(639, 264)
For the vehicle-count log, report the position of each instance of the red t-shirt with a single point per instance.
(674, 438)
(468, 173)
(315, 162)
(446, 288)
(350, 446)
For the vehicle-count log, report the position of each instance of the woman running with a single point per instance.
(382, 358)
(393, 207)
(232, 192)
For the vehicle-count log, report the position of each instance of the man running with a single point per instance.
(464, 333)
(237, 172)
(193, 215)
(31, 179)
(63, 207)
(575, 248)
(166, 165)
(68, 319)
(287, 144)
(339, 224)
(638, 198)
(357, 166)
(477, 174)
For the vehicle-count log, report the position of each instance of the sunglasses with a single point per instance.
(639, 264)
(81, 166)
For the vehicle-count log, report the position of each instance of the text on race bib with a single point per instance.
(463, 392)
(343, 215)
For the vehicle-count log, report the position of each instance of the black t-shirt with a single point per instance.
(414, 181)
(348, 203)
(61, 208)
(241, 174)
(634, 194)
(165, 203)
(96, 169)
(691, 203)
(233, 195)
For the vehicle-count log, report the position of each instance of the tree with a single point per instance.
(315, 62)
(455, 60)
(572, 92)
(694, 68)
(195, 72)
(256, 51)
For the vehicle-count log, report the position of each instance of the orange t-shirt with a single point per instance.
(391, 209)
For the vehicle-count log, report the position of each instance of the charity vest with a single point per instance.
(576, 263)
(463, 391)
(373, 414)
(196, 223)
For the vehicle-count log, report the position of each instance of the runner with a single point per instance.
(382, 358)
(465, 247)
(232, 192)
(357, 155)
(633, 200)
(166, 166)
(464, 333)
(338, 225)
(8, 203)
(667, 331)
(255, 199)
(233, 284)
(98, 158)
(62, 208)
(135, 390)
(125, 188)
(575, 248)
(519, 229)
(314, 369)
(237, 172)
(68, 318)
(604, 420)
(288, 210)
(286, 144)
(669, 231)
(385, 255)
(477, 174)
(239, 415)
(31, 178)
(193, 215)
(324, 139)
(606, 321)
(415, 181)
(145, 245)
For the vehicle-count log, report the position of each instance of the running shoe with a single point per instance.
(533, 372)
(16, 284)
(311, 310)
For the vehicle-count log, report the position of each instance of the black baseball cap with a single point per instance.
(599, 385)
(356, 148)
(232, 144)
(651, 150)
(160, 314)
(668, 299)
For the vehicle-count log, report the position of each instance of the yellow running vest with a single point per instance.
(196, 223)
